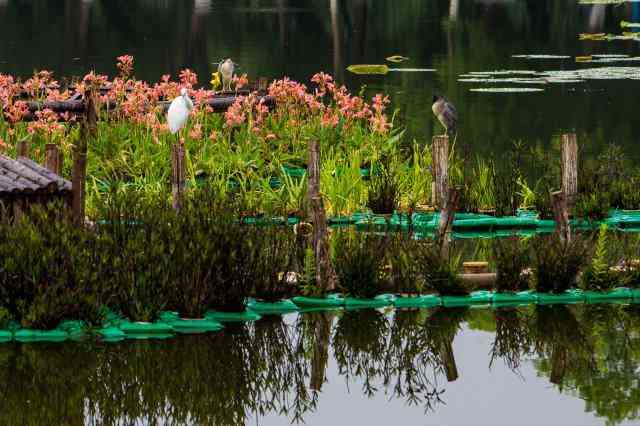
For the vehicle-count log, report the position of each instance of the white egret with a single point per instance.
(179, 111)
(226, 69)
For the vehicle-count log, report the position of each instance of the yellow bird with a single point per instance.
(215, 80)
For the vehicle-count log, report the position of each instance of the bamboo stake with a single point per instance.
(440, 166)
(177, 174)
(319, 361)
(570, 167)
(325, 275)
(88, 129)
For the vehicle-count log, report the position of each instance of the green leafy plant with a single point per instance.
(437, 273)
(359, 263)
(598, 276)
(556, 263)
(512, 259)
(383, 192)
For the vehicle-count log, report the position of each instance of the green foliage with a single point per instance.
(557, 263)
(5, 317)
(383, 192)
(359, 263)
(593, 206)
(512, 258)
(598, 276)
(438, 274)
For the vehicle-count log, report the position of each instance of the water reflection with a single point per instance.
(279, 366)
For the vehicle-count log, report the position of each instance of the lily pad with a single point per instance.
(368, 69)
(507, 89)
(537, 56)
(397, 58)
(412, 70)
(625, 24)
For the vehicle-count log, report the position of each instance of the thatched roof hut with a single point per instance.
(23, 183)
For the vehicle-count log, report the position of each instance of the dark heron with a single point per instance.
(446, 113)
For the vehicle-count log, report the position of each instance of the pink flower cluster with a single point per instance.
(125, 66)
(46, 124)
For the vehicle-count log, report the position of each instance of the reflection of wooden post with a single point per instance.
(325, 275)
(53, 158)
(440, 166)
(177, 174)
(570, 167)
(22, 149)
(320, 350)
(447, 214)
(561, 215)
(558, 366)
(88, 129)
(449, 361)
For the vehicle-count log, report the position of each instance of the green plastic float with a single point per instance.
(377, 302)
(244, 316)
(280, 307)
(26, 335)
(328, 302)
(189, 326)
(145, 330)
(6, 336)
(480, 297)
(570, 296)
(423, 301)
(111, 334)
(620, 293)
(520, 297)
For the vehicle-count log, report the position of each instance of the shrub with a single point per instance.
(359, 263)
(437, 273)
(512, 257)
(383, 193)
(557, 263)
(598, 276)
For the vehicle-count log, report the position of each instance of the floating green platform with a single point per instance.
(279, 307)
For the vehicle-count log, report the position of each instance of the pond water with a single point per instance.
(274, 38)
(569, 365)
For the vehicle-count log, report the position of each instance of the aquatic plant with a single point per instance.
(438, 273)
(359, 263)
(598, 276)
(556, 263)
(383, 191)
(512, 260)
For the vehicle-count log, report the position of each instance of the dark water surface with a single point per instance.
(297, 38)
(529, 366)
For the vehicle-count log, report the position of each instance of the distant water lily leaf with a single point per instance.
(584, 58)
(625, 24)
(397, 58)
(412, 70)
(506, 89)
(368, 69)
(592, 36)
(541, 56)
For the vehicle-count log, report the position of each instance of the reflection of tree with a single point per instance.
(359, 344)
(512, 338)
(410, 367)
(562, 343)
(442, 328)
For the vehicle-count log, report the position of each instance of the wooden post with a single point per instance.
(445, 224)
(440, 165)
(570, 167)
(53, 158)
(88, 128)
(325, 275)
(22, 149)
(450, 367)
(561, 215)
(177, 174)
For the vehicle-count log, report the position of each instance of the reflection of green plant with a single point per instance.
(512, 257)
(557, 263)
(593, 206)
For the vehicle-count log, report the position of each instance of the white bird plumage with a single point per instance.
(226, 69)
(179, 111)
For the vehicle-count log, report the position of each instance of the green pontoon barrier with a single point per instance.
(620, 293)
(244, 316)
(481, 297)
(26, 335)
(140, 329)
(328, 302)
(423, 301)
(520, 297)
(377, 302)
(189, 326)
(570, 296)
(279, 307)
(111, 334)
